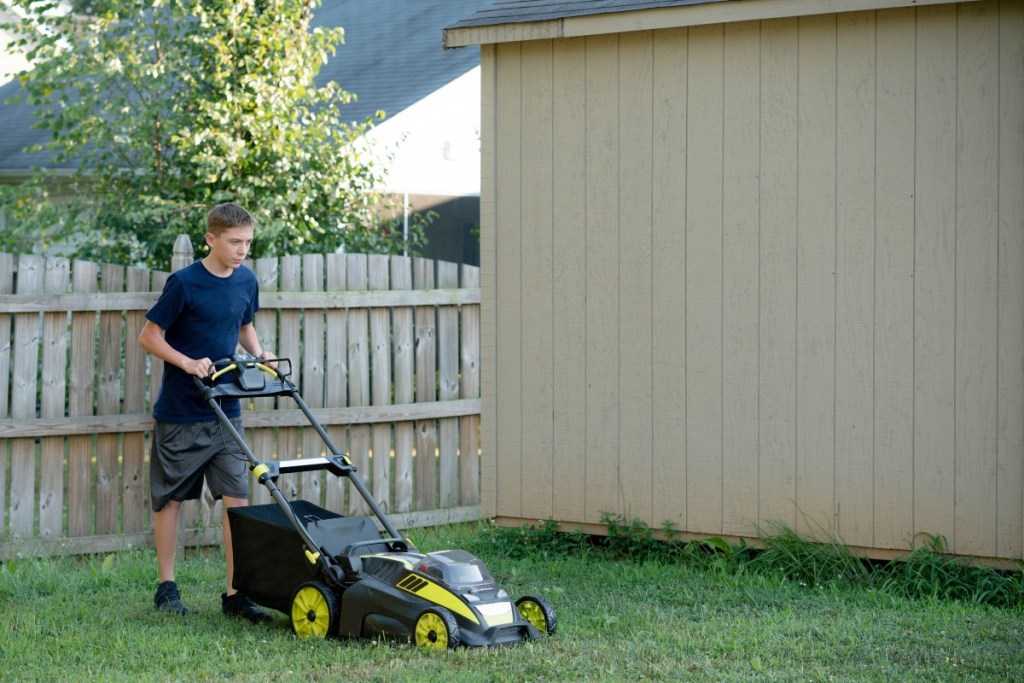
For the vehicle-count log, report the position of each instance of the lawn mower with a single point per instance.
(340, 576)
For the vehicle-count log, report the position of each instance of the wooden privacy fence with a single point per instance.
(384, 349)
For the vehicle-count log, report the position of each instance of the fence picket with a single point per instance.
(261, 439)
(404, 374)
(289, 438)
(426, 388)
(6, 287)
(448, 389)
(27, 337)
(133, 493)
(358, 377)
(336, 374)
(312, 372)
(54, 389)
(108, 398)
(80, 378)
(380, 376)
(469, 387)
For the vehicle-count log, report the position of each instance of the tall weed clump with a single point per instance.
(812, 562)
(930, 572)
(818, 561)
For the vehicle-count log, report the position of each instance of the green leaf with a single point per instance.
(168, 107)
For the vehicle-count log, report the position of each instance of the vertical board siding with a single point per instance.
(537, 297)
(976, 272)
(568, 277)
(816, 274)
(854, 295)
(894, 284)
(935, 270)
(601, 244)
(1010, 398)
(636, 133)
(488, 287)
(68, 486)
(702, 263)
(778, 242)
(740, 211)
(787, 260)
(508, 317)
(668, 287)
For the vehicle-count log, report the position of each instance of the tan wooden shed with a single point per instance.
(755, 261)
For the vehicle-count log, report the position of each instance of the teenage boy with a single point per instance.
(205, 311)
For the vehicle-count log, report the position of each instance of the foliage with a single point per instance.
(167, 107)
(810, 562)
(927, 571)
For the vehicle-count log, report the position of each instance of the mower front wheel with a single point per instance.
(315, 611)
(436, 629)
(538, 612)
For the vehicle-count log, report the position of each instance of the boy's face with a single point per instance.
(231, 247)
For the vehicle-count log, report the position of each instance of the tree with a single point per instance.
(170, 106)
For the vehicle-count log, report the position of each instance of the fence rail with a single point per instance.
(384, 349)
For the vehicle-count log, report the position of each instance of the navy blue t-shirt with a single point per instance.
(201, 315)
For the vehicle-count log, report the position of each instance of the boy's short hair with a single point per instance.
(228, 215)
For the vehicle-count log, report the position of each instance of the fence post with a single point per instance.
(182, 254)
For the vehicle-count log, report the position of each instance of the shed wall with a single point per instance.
(758, 272)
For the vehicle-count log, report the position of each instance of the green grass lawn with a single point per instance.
(92, 619)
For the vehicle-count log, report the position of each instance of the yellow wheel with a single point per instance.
(436, 629)
(538, 612)
(315, 611)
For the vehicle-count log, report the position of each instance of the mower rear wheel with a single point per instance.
(538, 612)
(315, 611)
(436, 629)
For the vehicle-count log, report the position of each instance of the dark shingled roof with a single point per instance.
(392, 57)
(522, 11)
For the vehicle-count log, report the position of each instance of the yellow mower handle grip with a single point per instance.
(228, 368)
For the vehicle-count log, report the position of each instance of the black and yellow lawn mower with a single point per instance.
(338, 576)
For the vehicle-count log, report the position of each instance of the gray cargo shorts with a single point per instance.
(184, 454)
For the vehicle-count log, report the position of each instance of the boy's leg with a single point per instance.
(165, 537)
(234, 602)
(230, 502)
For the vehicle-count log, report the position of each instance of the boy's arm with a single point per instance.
(248, 340)
(152, 340)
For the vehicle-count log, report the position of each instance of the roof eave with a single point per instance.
(680, 16)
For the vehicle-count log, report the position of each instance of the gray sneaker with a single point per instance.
(168, 599)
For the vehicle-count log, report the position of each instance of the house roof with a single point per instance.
(392, 57)
(520, 11)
